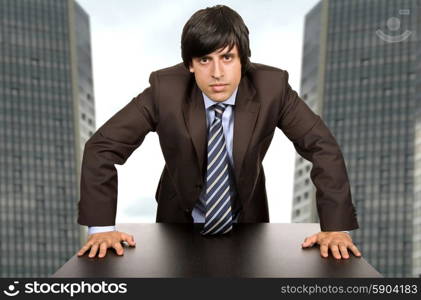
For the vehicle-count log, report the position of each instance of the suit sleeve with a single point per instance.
(112, 144)
(313, 141)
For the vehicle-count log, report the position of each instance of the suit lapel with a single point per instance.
(245, 114)
(195, 119)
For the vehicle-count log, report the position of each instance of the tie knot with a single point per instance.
(219, 110)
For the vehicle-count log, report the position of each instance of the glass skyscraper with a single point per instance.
(46, 115)
(361, 72)
(416, 255)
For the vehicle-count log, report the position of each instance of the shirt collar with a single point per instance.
(230, 100)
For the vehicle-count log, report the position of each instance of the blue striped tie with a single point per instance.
(218, 218)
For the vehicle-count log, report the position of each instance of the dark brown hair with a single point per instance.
(214, 28)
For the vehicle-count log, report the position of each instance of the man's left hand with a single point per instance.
(338, 243)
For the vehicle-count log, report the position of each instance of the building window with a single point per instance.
(387, 91)
(35, 60)
(365, 61)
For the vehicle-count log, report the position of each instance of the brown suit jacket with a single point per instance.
(173, 107)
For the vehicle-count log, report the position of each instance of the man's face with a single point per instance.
(217, 74)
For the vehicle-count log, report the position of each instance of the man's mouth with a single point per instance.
(219, 87)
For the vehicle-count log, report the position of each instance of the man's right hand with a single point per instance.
(105, 240)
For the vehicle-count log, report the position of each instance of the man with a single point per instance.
(215, 116)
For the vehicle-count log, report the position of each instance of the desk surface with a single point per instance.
(250, 250)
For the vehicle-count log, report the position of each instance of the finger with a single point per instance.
(102, 249)
(128, 238)
(344, 251)
(94, 250)
(85, 248)
(324, 250)
(355, 250)
(309, 241)
(335, 251)
(82, 250)
(306, 242)
(118, 248)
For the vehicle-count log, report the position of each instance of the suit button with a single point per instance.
(187, 210)
(199, 186)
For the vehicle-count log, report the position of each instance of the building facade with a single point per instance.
(416, 255)
(46, 115)
(368, 62)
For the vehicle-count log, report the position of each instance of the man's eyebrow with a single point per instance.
(230, 53)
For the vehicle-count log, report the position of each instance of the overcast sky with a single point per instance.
(132, 38)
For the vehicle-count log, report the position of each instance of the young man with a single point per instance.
(215, 115)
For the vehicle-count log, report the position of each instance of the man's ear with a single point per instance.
(191, 69)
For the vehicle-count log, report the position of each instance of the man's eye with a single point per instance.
(203, 60)
(227, 57)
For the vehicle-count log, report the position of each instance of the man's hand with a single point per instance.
(338, 242)
(105, 240)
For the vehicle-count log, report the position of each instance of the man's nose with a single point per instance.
(218, 70)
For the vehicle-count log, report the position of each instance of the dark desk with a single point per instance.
(250, 250)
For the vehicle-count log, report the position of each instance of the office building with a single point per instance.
(46, 115)
(360, 72)
(416, 255)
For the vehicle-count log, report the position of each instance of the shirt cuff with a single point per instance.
(98, 229)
